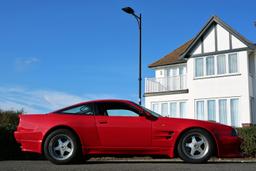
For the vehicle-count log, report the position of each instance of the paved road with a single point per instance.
(125, 166)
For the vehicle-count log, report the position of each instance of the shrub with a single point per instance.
(9, 119)
(9, 148)
(248, 146)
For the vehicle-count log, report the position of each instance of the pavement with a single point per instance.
(149, 159)
(131, 164)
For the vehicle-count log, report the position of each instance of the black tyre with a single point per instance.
(61, 147)
(195, 146)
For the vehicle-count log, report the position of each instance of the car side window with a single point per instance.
(121, 112)
(81, 109)
(117, 109)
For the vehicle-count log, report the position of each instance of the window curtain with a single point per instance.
(199, 67)
(200, 110)
(210, 65)
(211, 110)
(223, 111)
(164, 109)
(221, 64)
(173, 109)
(155, 107)
(182, 109)
(234, 112)
(232, 63)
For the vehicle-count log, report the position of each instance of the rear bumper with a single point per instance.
(229, 146)
(30, 141)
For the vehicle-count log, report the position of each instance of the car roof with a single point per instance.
(94, 101)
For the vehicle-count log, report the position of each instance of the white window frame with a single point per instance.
(177, 102)
(196, 65)
(217, 115)
(216, 66)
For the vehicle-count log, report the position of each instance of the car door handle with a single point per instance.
(103, 122)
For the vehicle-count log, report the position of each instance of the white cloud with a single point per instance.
(40, 101)
(22, 64)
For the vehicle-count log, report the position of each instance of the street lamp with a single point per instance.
(129, 10)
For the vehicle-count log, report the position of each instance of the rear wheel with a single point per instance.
(61, 147)
(195, 146)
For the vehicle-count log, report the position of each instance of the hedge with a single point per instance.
(248, 146)
(10, 149)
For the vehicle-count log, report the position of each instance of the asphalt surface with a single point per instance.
(125, 165)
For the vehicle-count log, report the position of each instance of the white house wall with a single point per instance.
(236, 43)
(253, 89)
(209, 41)
(224, 86)
(198, 49)
(222, 38)
(239, 85)
(215, 87)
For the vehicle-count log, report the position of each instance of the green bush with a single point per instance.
(9, 119)
(9, 148)
(248, 146)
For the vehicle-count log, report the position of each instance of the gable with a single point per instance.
(215, 37)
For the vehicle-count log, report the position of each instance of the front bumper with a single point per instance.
(229, 146)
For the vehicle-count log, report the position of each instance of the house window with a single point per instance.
(200, 110)
(182, 109)
(155, 107)
(234, 111)
(211, 110)
(216, 65)
(173, 109)
(164, 109)
(221, 64)
(199, 67)
(223, 111)
(210, 65)
(232, 63)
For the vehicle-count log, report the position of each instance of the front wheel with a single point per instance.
(195, 146)
(61, 147)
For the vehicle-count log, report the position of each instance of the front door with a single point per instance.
(121, 125)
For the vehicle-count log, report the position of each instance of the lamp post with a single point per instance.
(138, 18)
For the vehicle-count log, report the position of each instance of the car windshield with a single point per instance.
(150, 111)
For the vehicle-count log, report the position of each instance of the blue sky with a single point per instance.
(57, 52)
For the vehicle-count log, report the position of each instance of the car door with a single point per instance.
(81, 118)
(122, 126)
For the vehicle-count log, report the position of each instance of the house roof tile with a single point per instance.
(173, 57)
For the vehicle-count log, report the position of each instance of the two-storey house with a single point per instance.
(210, 77)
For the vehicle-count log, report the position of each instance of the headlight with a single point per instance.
(234, 132)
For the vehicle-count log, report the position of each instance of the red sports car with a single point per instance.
(122, 127)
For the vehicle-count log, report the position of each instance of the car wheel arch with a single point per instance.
(215, 142)
(61, 127)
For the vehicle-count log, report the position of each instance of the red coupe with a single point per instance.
(122, 127)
